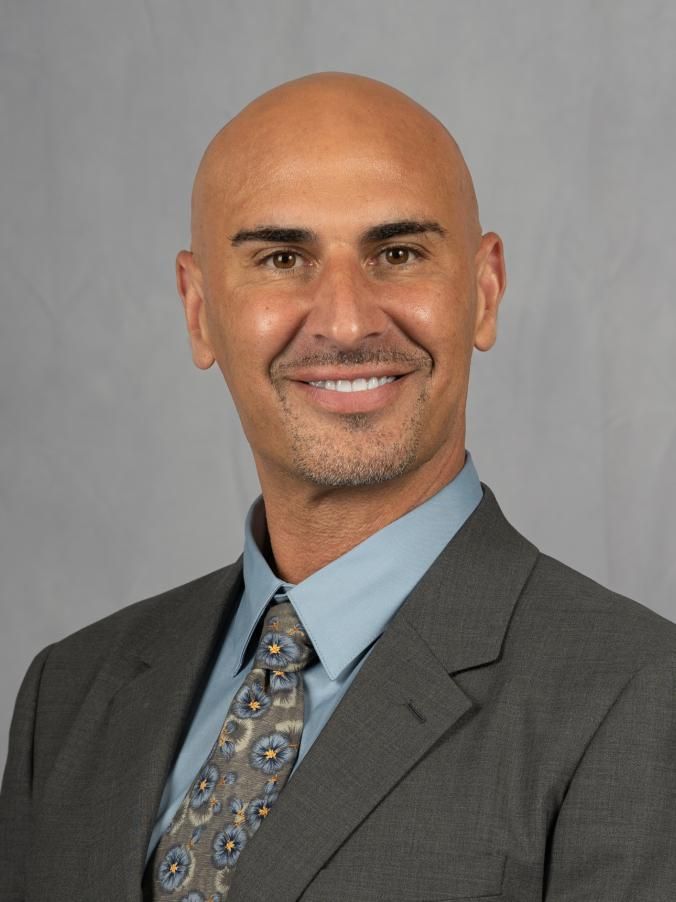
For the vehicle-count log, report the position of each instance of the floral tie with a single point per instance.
(244, 773)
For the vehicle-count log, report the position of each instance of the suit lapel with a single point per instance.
(131, 725)
(402, 700)
(153, 712)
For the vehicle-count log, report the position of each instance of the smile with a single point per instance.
(347, 385)
(367, 394)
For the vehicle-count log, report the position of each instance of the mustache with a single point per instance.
(359, 357)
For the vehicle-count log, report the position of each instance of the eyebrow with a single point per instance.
(276, 234)
(386, 230)
(381, 232)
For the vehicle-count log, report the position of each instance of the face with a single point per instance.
(340, 291)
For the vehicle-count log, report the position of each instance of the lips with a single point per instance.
(335, 374)
(346, 385)
(348, 400)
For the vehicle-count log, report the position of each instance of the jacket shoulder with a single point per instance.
(585, 619)
(85, 648)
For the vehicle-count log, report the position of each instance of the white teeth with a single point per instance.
(354, 385)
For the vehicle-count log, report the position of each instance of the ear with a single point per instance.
(491, 281)
(190, 288)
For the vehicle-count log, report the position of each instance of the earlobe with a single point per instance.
(189, 285)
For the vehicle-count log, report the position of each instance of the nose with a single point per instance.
(345, 305)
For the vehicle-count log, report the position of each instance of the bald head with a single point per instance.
(335, 236)
(314, 119)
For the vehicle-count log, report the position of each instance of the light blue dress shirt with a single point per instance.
(344, 608)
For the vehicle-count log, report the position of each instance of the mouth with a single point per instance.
(353, 385)
(359, 378)
(364, 394)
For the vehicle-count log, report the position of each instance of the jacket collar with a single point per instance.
(460, 607)
(383, 568)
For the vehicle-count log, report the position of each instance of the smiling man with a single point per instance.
(392, 694)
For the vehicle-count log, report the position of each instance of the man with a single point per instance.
(392, 695)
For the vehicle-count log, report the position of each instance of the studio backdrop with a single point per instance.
(124, 469)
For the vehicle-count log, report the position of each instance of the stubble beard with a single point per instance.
(323, 461)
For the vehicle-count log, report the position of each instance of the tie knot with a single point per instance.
(284, 644)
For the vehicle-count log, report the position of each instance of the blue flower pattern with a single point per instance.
(283, 681)
(270, 753)
(226, 739)
(251, 701)
(277, 651)
(229, 804)
(174, 868)
(258, 809)
(204, 786)
(227, 846)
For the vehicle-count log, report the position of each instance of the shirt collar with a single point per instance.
(347, 604)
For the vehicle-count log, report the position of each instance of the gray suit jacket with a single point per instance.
(512, 736)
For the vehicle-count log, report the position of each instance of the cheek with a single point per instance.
(437, 317)
(253, 330)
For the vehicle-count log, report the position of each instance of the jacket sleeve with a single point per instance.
(614, 839)
(16, 792)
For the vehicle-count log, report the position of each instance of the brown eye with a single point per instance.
(397, 255)
(284, 259)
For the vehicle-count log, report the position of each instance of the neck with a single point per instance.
(309, 526)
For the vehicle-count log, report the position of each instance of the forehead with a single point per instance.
(348, 190)
(336, 176)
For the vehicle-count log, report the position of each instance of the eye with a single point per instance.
(284, 259)
(398, 254)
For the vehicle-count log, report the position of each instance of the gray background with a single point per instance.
(124, 470)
